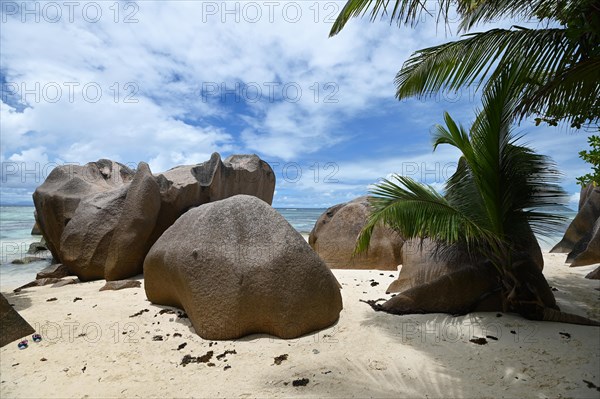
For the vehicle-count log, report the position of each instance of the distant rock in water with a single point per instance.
(334, 239)
(582, 238)
(101, 219)
(237, 267)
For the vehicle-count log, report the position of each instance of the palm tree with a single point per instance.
(491, 204)
(557, 65)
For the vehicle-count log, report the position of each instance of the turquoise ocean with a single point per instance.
(15, 237)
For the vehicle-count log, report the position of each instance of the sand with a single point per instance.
(96, 347)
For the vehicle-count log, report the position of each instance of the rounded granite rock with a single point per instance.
(237, 267)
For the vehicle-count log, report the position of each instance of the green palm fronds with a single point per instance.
(556, 69)
(494, 199)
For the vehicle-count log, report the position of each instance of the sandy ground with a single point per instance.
(97, 347)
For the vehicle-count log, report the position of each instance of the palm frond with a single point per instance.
(416, 210)
(461, 63)
(404, 12)
(482, 12)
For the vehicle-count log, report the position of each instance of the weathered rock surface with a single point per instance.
(423, 263)
(12, 325)
(102, 226)
(185, 187)
(130, 240)
(471, 288)
(587, 250)
(86, 238)
(583, 225)
(237, 267)
(58, 197)
(38, 249)
(38, 283)
(63, 282)
(35, 230)
(335, 233)
(120, 285)
(594, 275)
(53, 271)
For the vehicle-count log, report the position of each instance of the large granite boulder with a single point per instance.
(185, 187)
(58, 197)
(335, 233)
(12, 325)
(237, 267)
(583, 225)
(107, 229)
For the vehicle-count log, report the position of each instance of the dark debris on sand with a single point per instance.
(302, 382)
(77, 299)
(591, 385)
(565, 334)
(181, 346)
(176, 335)
(51, 299)
(479, 341)
(280, 359)
(139, 313)
(227, 352)
(491, 337)
(163, 311)
(157, 338)
(187, 359)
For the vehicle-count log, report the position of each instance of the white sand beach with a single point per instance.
(117, 344)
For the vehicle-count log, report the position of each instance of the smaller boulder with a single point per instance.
(37, 283)
(335, 233)
(38, 249)
(120, 284)
(63, 282)
(27, 260)
(53, 271)
(12, 325)
(583, 223)
(587, 251)
(594, 275)
(35, 230)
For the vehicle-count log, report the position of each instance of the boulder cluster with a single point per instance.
(582, 239)
(204, 236)
(101, 219)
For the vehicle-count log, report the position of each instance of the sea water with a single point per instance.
(16, 223)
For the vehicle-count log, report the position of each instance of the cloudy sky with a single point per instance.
(170, 82)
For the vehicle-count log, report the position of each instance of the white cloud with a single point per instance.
(176, 49)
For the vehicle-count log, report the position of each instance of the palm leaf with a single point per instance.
(407, 12)
(415, 210)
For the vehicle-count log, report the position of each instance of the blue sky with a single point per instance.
(170, 82)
